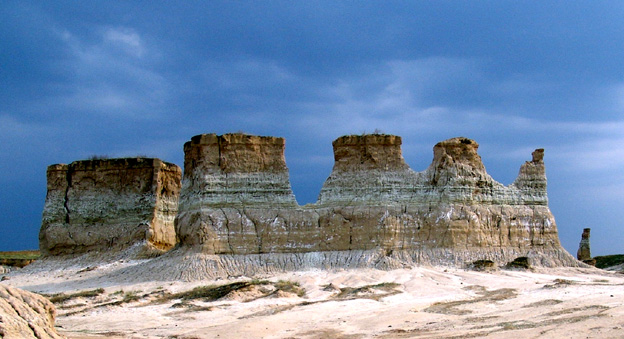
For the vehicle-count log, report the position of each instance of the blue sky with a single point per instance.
(85, 78)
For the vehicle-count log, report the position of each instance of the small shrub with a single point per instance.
(131, 296)
(98, 157)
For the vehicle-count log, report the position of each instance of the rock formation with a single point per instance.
(110, 204)
(237, 213)
(234, 180)
(373, 210)
(584, 253)
(25, 315)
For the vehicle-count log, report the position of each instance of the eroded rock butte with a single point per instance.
(110, 205)
(237, 213)
(372, 204)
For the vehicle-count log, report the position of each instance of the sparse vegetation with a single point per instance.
(290, 287)
(18, 258)
(451, 307)
(61, 298)
(213, 293)
(560, 283)
(369, 291)
(191, 307)
(98, 157)
(606, 261)
(376, 131)
(24, 255)
(483, 265)
(131, 296)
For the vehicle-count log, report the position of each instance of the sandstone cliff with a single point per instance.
(111, 204)
(373, 210)
(25, 315)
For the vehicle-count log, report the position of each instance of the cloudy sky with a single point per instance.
(87, 78)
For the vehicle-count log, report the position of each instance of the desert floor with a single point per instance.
(423, 302)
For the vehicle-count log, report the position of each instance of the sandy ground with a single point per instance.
(423, 302)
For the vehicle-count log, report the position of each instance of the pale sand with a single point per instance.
(430, 302)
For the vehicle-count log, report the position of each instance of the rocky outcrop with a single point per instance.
(584, 252)
(25, 315)
(237, 214)
(373, 210)
(234, 180)
(110, 205)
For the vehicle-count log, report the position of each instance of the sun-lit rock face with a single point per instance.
(110, 204)
(25, 314)
(451, 213)
(368, 152)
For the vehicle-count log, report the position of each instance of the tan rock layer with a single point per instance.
(109, 204)
(368, 152)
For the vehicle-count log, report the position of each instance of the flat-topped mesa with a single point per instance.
(368, 152)
(367, 168)
(236, 169)
(110, 205)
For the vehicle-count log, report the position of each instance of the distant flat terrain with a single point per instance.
(18, 258)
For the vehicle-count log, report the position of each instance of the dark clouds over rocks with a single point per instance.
(133, 78)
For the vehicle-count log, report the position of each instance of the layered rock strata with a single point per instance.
(234, 180)
(373, 210)
(110, 205)
(26, 315)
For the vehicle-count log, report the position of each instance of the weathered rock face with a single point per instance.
(25, 315)
(368, 168)
(102, 205)
(453, 212)
(233, 179)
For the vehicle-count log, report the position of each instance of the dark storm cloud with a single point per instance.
(121, 79)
